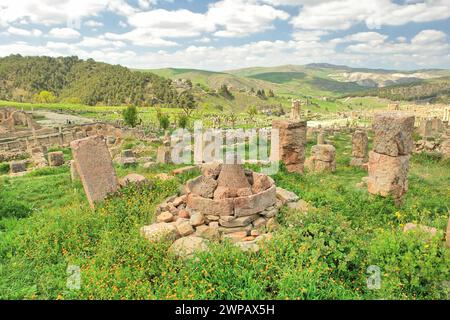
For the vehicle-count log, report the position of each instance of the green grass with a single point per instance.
(322, 255)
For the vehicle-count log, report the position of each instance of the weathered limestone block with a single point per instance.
(187, 247)
(360, 144)
(210, 232)
(324, 166)
(324, 152)
(211, 169)
(160, 232)
(393, 133)
(261, 182)
(292, 144)
(164, 155)
(223, 207)
(17, 166)
(322, 158)
(246, 206)
(94, 165)
(55, 159)
(286, 196)
(132, 178)
(238, 222)
(321, 138)
(388, 175)
(202, 186)
(232, 182)
(412, 226)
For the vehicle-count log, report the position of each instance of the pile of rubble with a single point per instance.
(225, 202)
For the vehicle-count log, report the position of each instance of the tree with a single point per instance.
(183, 120)
(186, 102)
(45, 97)
(130, 116)
(252, 112)
(261, 94)
(164, 121)
(225, 92)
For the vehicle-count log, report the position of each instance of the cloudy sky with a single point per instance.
(230, 34)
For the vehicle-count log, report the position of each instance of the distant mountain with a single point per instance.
(317, 79)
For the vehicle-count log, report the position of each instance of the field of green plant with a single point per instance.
(46, 225)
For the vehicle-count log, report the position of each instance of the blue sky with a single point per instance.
(231, 34)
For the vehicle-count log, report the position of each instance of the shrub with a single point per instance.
(130, 116)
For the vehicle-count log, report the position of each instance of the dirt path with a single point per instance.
(59, 119)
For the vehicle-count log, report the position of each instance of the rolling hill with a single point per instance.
(318, 79)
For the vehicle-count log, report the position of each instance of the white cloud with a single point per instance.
(23, 32)
(170, 24)
(242, 18)
(64, 33)
(50, 12)
(93, 24)
(341, 15)
(429, 37)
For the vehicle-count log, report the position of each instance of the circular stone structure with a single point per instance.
(225, 202)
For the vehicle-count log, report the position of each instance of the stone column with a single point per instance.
(292, 144)
(360, 144)
(321, 138)
(389, 160)
(426, 128)
(296, 109)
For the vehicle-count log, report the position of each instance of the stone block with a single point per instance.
(393, 133)
(94, 165)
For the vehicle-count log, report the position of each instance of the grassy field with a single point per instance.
(46, 225)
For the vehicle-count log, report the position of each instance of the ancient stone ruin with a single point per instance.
(292, 144)
(94, 166)
(389, 160)
(14, 120)
(360, 145)
(296, 109)
(225, 202)
(323, 158)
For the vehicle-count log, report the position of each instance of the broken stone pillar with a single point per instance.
(360, 144)
(55, 159)
(436, 125)
(18, 166)
(292, 144)
(389, 160)
(321, 138)
(323, 158)
(426, 128)
(164, 155)
(95, 168)
(296, 109)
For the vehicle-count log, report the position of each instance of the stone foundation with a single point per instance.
(245, 204)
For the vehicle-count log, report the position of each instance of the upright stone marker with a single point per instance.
(360, 144)
(94, 165)
(292, 144)
(389, 161)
